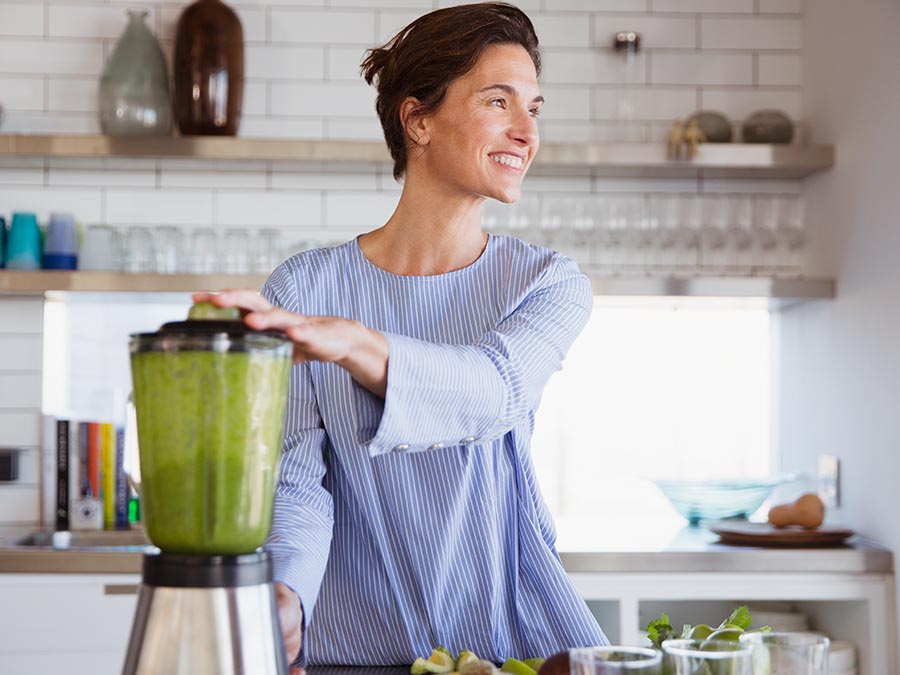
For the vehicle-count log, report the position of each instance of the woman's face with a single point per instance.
(484, 136)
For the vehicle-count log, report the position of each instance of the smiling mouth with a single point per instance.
(508, 160)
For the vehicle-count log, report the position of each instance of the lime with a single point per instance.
(517, 667)
(535, 663)
(465, 658)
(728, 634)
(700, 632)
(440, 661)
(204, 311)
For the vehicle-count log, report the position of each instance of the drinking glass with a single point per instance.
(98, 249)
(664, 209)
(140, 252)
(714, 233)
(766, 233)
(236, 245)
(169, 248)
(266, 252)
(61, 243)
(788, 653)
(741, 257)
(615, 660)
(23, 249)
(524, 216)
(553, 214)
(691, 222)
(791, 230)
(612, 227)
(204, 253)
(708, 657)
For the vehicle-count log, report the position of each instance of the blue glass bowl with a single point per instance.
(699, 500)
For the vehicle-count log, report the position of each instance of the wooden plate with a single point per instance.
(764, 534)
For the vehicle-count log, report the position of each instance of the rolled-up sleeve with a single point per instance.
(440, 394)
(303, 517)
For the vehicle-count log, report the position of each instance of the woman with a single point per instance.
(408, 514)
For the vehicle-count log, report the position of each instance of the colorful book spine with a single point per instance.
(121, 502)
(108, 474)
(62, 475)
(94, 458)
(84, 483)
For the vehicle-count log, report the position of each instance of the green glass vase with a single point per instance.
(134, 94)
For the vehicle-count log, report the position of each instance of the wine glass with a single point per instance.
(788, 653)
(615, 660)
(708, 657)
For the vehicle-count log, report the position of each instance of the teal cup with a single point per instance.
(24, 243)
(2, 242)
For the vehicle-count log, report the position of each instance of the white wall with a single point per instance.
(840, 374)
(302, 82)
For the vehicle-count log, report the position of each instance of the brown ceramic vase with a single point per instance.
(209, 70)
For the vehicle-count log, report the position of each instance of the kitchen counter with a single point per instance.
(628, 545)
(349, 670)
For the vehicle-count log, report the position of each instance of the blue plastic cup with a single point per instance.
(24, 243)
(61, 243)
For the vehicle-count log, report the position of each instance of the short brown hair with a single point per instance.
(425, 57)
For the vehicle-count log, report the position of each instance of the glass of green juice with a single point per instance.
(210, 398)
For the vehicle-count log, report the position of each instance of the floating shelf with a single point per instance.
(777, 292)
(724, 160)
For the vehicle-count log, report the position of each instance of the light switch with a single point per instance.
(830, 481)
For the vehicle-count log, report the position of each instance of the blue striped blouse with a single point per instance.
(416, 520)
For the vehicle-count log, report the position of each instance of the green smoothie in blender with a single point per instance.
(210, 401)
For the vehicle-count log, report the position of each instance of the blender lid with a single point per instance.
(229, 327)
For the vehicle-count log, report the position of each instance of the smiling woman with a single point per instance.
(408, 513)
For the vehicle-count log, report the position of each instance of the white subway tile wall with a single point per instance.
(21, 325)
(302, 81)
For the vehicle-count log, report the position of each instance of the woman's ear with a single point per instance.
(414, 123)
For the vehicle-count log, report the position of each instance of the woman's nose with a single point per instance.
(524, 128)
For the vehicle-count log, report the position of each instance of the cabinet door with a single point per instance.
(80, 623)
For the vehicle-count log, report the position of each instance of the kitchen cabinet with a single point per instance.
(855, 607)
(75, 623)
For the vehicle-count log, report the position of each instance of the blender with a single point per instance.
(209, 397)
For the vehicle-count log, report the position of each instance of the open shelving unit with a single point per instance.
(722, 160)
(715, 160)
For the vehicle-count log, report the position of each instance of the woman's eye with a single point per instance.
(535, 112)
(499, 102)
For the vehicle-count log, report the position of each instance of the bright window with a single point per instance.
(650, 391)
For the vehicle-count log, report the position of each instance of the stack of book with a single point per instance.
(92, 490)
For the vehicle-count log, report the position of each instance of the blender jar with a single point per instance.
(210, 401)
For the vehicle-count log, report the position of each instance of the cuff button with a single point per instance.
(400, 447)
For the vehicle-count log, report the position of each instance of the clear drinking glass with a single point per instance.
(691, 220)
(714, 233)
(788, 653)
(169, 248)
(266, 252)
(614, 660)
(708, 657)
(140, 252)
(742, 256)
(204, 253)
(237, 255)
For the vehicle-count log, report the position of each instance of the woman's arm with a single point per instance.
(441, 394)
(360, 351)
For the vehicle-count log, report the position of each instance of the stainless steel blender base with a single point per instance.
(206, 631)
(224, 630)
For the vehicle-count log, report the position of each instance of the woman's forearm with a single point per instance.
(367, 359)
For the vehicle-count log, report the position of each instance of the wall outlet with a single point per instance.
(830, 481)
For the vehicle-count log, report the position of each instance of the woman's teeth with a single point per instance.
(509, 160)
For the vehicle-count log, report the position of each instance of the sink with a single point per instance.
(86, 539)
